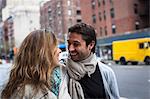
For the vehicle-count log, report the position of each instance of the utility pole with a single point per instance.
(66, 44)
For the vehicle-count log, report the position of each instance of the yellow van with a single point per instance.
(132, 50)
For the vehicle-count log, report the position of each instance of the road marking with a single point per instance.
(138, 67)
(149, 80)
(123, 98)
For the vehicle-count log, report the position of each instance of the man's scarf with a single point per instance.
(76, 71)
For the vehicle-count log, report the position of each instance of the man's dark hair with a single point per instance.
(87, 32)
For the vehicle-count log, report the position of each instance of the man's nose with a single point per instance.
(71, 47)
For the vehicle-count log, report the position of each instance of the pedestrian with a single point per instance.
(36, 73)
(89, 78)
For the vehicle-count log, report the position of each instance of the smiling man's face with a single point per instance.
(77, 47)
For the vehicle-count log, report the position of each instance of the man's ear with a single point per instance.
(91, 45)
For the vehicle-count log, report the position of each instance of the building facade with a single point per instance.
(25, 14)
(8, 38)
(59, 15)
(113, 17)
(2, 5)
(116, 20)
(110, 18)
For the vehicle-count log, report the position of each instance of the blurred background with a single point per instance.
(113, 20)
(122, 29)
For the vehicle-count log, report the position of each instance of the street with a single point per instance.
(133, 81)
(4, 74)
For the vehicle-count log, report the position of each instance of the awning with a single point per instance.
(62, 46)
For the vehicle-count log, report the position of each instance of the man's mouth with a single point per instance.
(73, 54)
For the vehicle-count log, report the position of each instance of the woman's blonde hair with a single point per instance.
(33, 64)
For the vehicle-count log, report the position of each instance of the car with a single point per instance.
(63, 56)
(0, 61)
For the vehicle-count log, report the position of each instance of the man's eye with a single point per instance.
(76, 44)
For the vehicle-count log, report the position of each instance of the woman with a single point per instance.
(35, 73)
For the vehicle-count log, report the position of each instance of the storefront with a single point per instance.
(104, 46)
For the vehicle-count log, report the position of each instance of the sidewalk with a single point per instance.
(5, 70)
(108, 62)
(4, 74)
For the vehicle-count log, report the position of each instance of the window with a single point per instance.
(149, 44)
(103, 2)
(112, 12)
(113, 28)
(111, 1)
(105, 30)
(78, 12)
(99, 3)
(58, 5)
(69, 2)
(101, 32)
(137, 25)
(59, 13)
(141, 45)
(69, 12)
(60, 22)
(104, 15)
(70, 22)
(31, 21)
(93, 4)
(94, 18)
(135, 8)
(50, 18)
(79, 20)
(100, 18)
(146, 45)
(49, 11)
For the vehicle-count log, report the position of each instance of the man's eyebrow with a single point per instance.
(74, 41)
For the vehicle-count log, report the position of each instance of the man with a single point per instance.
(89, 78)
